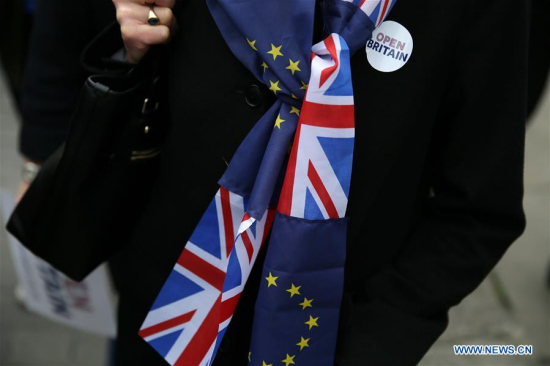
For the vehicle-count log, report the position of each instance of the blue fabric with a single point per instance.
(178, 287)
(341, 167)
(304, 253)
(298, 306)
(256, 165)
(348, 21)
(308, 254)
(312, 210)
(163, 344)
(30, 6)
(207, 235)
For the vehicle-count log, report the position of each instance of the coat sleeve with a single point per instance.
(475, 211)
(53, 74)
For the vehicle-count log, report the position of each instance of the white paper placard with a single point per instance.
(85, 305)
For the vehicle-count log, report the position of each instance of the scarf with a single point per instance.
(300, 198)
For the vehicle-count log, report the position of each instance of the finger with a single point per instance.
(166, 17)
(21, 190)
(162, 3)
(139, 35)
(138, 38)
(132, 13)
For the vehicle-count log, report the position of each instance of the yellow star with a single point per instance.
(271, 281)
(312, 322)
(293, 96)
(274, 87)
(293, 289)
(293, 66)
(289, 360)
(249, 354)
(264, 65)
(294, 110)
(306, 303)
(304, 86)
(303, 343)
(252, 44)
(278, 122)
(265, 364)
(275, 51)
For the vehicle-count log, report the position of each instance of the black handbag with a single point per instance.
(82, 205)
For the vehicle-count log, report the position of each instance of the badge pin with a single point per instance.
(390, 47)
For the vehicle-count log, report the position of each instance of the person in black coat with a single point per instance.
(436, 191)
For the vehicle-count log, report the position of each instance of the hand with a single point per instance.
(137, 34)
(23, 185)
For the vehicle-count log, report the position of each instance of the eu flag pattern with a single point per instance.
(297, 309)
(298, 306)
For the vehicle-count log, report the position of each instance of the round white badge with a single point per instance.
(390, 47)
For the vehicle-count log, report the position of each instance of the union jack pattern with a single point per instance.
(192, 311)
(319, 171)
(376, 10)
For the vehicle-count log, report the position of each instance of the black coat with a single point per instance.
(436, 191)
